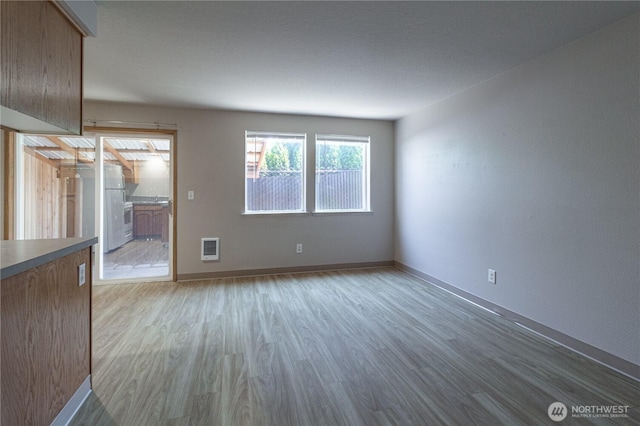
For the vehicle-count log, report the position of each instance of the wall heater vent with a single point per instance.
(210, 249)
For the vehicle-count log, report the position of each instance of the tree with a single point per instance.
(295, 155)
(327, 157)
(350, 157)
(276, 158)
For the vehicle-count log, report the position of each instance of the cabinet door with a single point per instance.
(141, 222)
(41, 64)
(147, 221)
(157, 222)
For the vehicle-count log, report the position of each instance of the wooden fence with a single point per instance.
(335, 190)
(339, 190)
(275, 191)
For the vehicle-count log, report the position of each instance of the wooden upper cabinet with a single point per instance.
(40, 67)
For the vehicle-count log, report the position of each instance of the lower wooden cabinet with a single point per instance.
(151, 221)
(46, 339)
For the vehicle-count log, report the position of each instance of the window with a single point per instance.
(274, 172)
(342, 173)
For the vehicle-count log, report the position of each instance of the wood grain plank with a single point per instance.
(234, 397)
(349, 348)
(45, 339)
(276, 389)
(41, 64)
(311, 394)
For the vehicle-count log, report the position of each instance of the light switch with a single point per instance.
(191, 195)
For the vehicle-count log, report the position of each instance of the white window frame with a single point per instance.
(364, 141)
(303, 171)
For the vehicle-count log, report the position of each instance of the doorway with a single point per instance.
(57, 179)
(137, 209)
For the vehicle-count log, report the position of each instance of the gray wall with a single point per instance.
(535, 174)
(211, 163)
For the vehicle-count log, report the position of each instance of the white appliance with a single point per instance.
(128, 221)
(114, 199)
(87, 175)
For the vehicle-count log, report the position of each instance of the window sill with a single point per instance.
(306, 213)
(276, 213)
(336, 212)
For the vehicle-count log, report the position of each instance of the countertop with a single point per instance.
(150, 203)
(18, 256)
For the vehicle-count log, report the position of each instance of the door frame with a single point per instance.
(101, 131)
(8, 182)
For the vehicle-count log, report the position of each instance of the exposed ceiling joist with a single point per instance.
(119, 156)
(53, 163)
(74, 152)
(152, 148)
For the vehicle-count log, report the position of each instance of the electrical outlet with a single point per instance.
(82, 277)
(492, 276)
(191, 195)
(298, 248)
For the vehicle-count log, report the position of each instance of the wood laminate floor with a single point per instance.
(361, 347)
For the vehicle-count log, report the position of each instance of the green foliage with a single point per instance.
(281, 156)
(295, 155)
(276, 158)
(350, 157)
(338, 157)
(327, 157)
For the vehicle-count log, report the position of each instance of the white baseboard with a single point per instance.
(605, 358)
(69, 410)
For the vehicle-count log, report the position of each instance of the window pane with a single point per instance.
(342, 173)
(274, 172)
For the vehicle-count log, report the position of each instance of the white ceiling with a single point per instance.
(360, 59)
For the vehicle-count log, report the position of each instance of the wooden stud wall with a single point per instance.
(43, 199)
